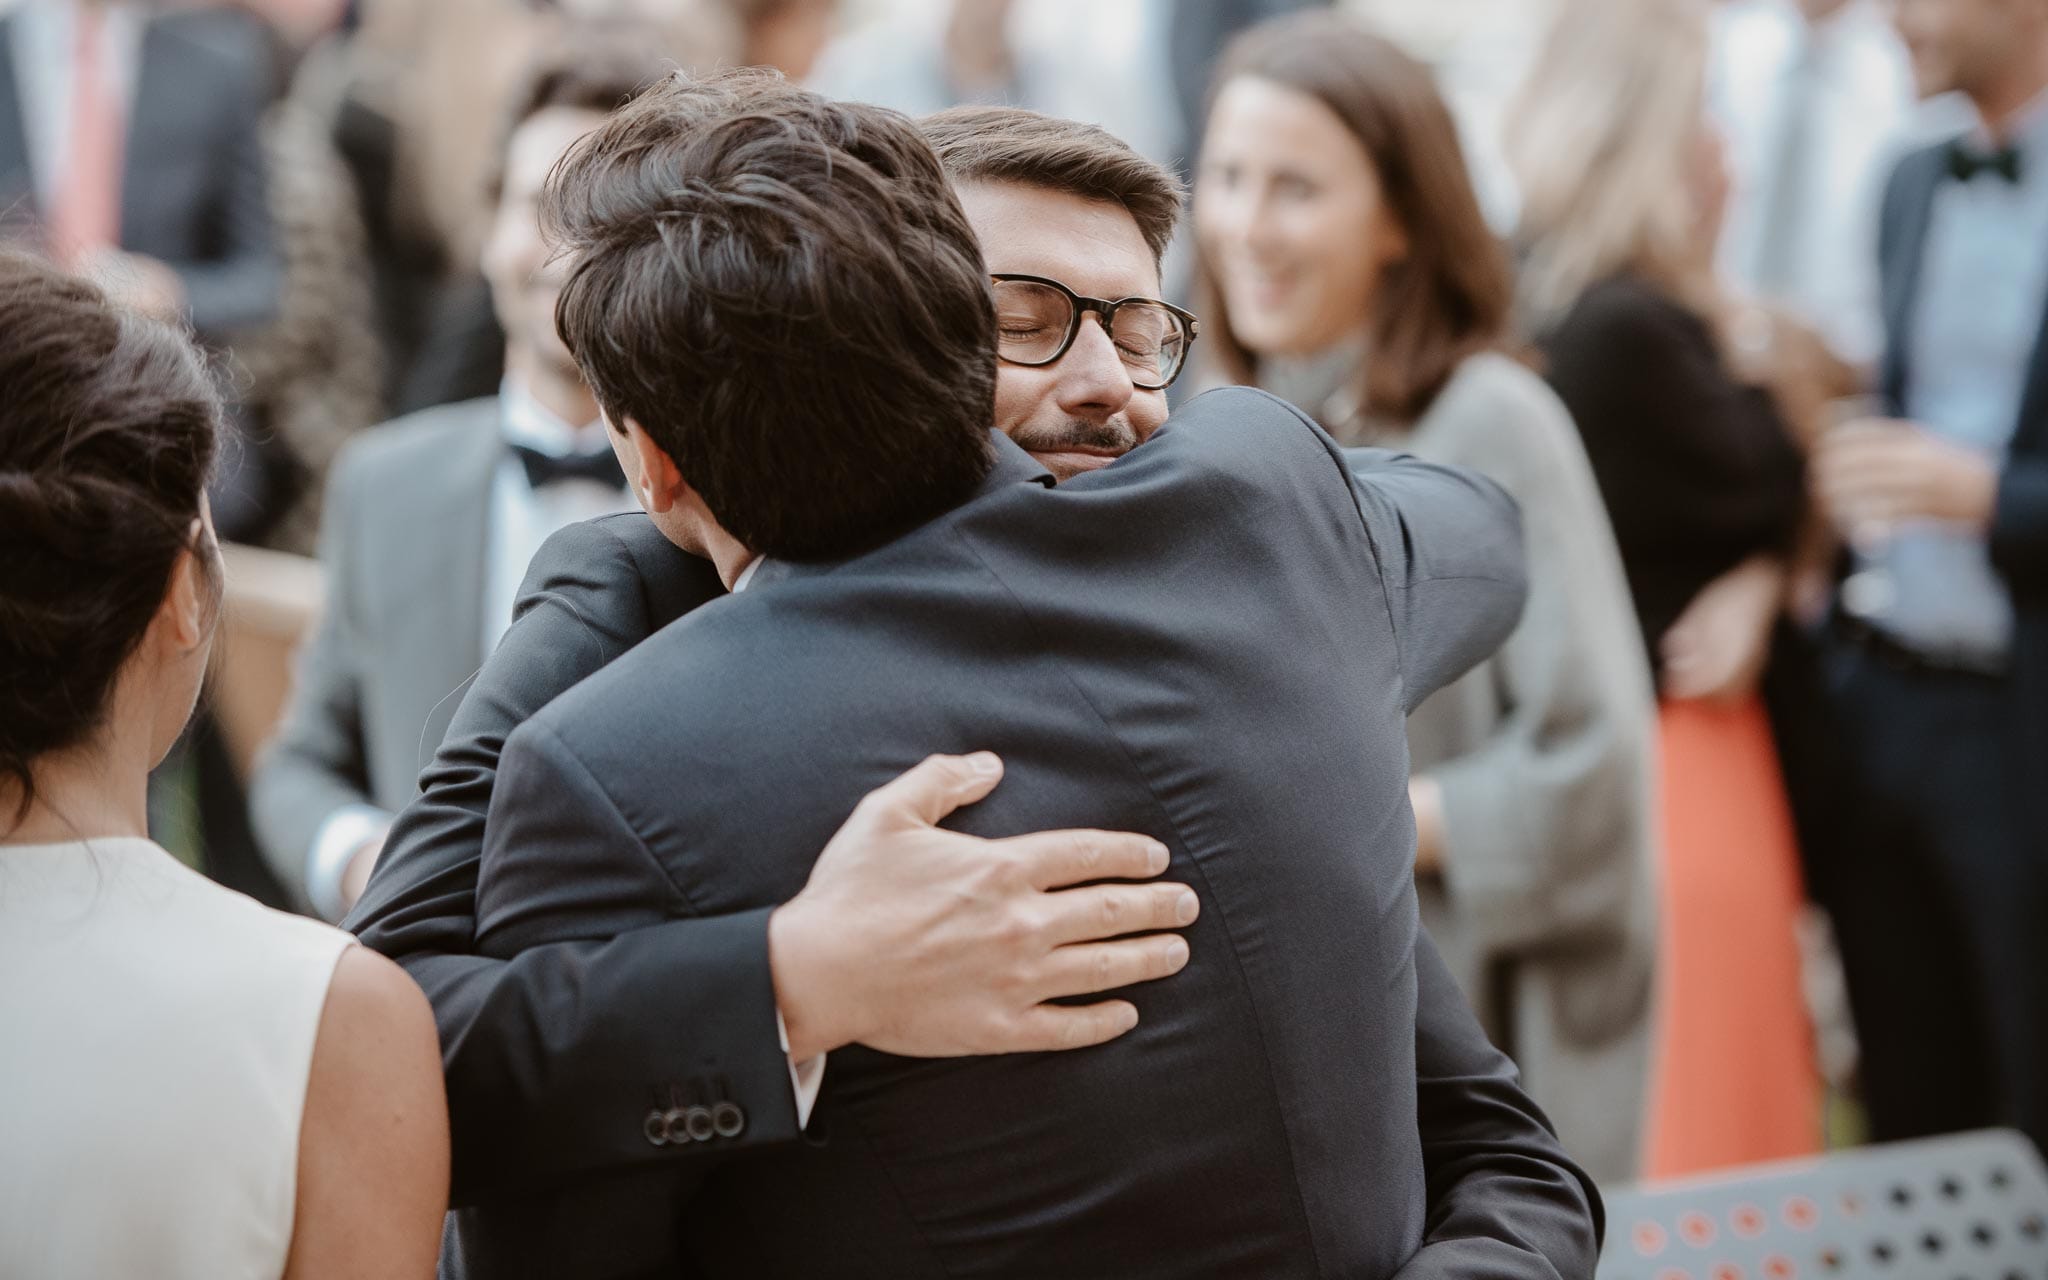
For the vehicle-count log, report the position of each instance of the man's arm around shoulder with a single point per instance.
(1505, 1200)
(557, 1026)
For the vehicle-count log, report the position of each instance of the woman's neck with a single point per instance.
(96, 791)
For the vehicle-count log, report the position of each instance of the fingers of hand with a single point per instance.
(1051, 1026)
(1882, 484)
(1112, 910)
(934, 787)
(1051, 859)
(1089, 967)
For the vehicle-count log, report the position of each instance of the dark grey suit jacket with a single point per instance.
(192, 191)
(542, 1051)
(2019, 521)
(1214, 641)
(404, 539)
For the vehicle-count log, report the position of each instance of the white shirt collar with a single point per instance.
(524, 420)
(739, 584)
(2029, 129)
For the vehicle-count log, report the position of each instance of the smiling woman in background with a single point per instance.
(190, 1085)
(1348, 269)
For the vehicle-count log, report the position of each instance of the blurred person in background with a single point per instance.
(1622, 188)
(129, 149)
(788, 35)
(294, 1121)
(1349, 270)
(1815, 99)
(432, 519)
(437, 72)
(1105, 64)
(1939, 648)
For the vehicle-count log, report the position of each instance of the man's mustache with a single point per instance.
(1113, 436)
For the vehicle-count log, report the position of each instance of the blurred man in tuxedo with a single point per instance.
(1941, 650)
(430, 522)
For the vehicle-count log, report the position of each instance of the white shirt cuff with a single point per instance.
(334, 844)
(805, 1078)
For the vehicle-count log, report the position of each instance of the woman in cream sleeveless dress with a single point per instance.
(191, 1085)
(159, 1035)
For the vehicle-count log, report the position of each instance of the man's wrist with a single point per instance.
(1973, 492)
(802, 970)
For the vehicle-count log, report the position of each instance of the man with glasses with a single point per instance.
(1502, 1193)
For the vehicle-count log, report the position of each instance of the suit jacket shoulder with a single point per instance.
(426, 440)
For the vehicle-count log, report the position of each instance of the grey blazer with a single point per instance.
(192, 192)
(1545, 752)
(403, 539)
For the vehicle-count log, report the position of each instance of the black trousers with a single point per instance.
(1938, 890)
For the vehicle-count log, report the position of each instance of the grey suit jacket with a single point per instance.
(192, 190)
(1207, 641)
(1546, 757)
(404, 540)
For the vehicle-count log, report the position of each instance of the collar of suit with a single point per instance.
(1010, 465)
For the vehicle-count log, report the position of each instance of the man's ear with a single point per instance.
(661, 484)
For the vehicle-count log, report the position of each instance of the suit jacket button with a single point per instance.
(728, 1119)
(673, 1124)
(655, 1127)
(698, 1124)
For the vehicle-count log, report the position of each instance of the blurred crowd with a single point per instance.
(1738, 846)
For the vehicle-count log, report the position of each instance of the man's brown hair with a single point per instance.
(1009, 144)
(783, 292)
(1448, 298)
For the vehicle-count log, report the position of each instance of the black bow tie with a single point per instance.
(1966, 162)
(543, 469)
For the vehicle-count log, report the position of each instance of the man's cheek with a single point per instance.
(1147, 413)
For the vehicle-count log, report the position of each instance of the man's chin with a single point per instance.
(1065, 464)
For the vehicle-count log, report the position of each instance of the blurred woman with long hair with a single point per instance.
(1348, 269)
(1622, 192)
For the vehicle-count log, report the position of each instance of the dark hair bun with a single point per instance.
(108, 425)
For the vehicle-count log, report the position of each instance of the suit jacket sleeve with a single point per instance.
(1504, 1198)
(241, 284)
(1449, 544)
(2019, 528)
(317, 763)
(555, 1057)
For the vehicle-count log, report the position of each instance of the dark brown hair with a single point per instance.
(783, 292)
(588, 66)
(1449, 297)
(1010, 144)
(108, 425)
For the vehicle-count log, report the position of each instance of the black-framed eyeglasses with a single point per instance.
(1037, 320)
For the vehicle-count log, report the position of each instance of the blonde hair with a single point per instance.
(1601, 140)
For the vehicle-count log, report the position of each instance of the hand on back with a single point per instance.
(920, 941)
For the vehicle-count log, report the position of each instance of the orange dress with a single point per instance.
(1733, 1078)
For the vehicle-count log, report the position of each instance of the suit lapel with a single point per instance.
(156, 120)
(440, 564)
(17, 182)
(1901, 268)
(2031, 435)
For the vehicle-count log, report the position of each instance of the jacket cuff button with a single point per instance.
(728, 1119)
(674, 1123)
(655, 1128)
(697, 1120)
